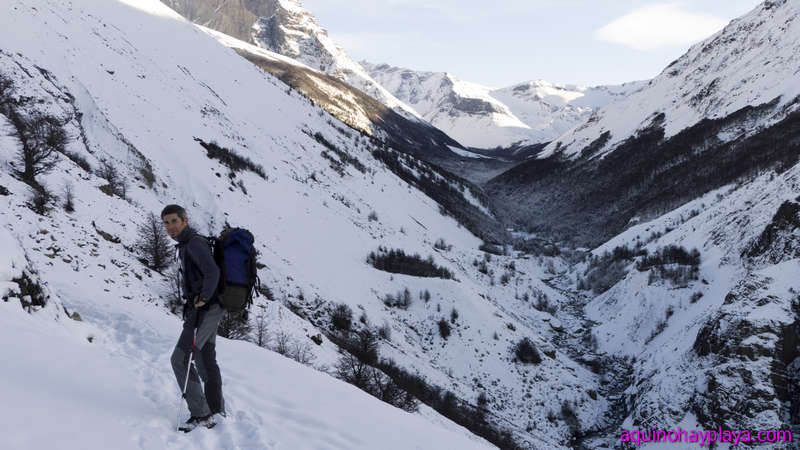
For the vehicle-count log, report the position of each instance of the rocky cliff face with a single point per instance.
(747, 351)
(232, 17)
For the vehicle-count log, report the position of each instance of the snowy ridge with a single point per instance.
(347, 108)
(461, 109)
(141, 101)
(749, 63)
(358, 106)
(552, 109)
(294, 32)
(484, 117)
(285, 27)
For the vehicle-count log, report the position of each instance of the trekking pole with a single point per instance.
(186, 382)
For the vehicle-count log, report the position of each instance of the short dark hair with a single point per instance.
(174, 209)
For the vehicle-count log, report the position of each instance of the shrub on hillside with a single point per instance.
(605, 271)
(40, 199)
(444, 328)
(397, 261)
(525, 352)
(342, 317)
(116, 183)
(401, 300)
(671, 254)
(230, 159)
(235, 325)
(672, 263)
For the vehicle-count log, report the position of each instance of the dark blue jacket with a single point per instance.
(200, 272)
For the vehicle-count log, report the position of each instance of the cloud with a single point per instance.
(658, 26)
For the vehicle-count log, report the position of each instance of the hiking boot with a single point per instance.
(194, 422)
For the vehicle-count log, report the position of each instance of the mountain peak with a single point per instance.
(291, 5)
(479, 116)
(751, 62)
(292, 31)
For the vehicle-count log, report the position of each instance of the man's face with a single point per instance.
(174, 224)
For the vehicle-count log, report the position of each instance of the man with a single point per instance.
(202, 312)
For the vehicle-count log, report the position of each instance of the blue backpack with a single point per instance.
(235, 254)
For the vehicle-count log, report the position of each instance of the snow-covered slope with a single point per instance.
(483, 117)
(138, 87)
(704, 158)
(751, 62)
(102, 382)
(720, 348)
(287, 28)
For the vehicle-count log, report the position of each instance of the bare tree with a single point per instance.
(154, 246)
(387, 390)
(302, 353)
(287, 345)
(69, 198)
(364, 345)
(6, 91)
(357, 367)
(283, 341)
(172, 289)
(42, 137)
(234, 326)
(385, 331)
(260, 330)
(354, 371)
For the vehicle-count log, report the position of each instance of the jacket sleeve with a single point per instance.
(200, 252)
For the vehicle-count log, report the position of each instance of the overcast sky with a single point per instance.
(502, 42)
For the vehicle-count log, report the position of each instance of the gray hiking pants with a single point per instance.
(200, 403)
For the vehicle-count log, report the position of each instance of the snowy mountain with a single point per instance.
(709, 119)
(286, 28)
(749, 64)
(687, 192)
(350, 105)
(333, 92)
(541, 346)
(171, 115)
(551, 109)
(482, 117)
